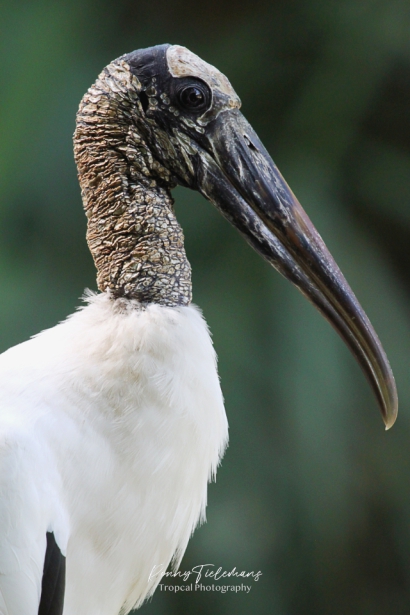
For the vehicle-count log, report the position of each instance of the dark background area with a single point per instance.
(312, 491)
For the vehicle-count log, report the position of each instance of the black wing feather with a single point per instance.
(53, 584)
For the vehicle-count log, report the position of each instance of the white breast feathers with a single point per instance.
(111, 425)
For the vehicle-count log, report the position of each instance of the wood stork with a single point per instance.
(112, 422)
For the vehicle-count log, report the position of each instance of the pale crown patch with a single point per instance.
(184, 63)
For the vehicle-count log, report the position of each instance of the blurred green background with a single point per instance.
(312, 491)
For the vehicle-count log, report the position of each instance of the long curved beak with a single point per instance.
(237, 174)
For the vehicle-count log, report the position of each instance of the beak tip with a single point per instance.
(390, 414)
(390, 420)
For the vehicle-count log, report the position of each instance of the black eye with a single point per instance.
(194, 97)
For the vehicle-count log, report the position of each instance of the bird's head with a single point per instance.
(182, 117)
(184, 104)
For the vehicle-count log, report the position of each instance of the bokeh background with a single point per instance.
(312, 491)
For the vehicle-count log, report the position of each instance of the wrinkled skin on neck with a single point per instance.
(132, 232)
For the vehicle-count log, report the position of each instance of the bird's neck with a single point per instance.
(134, 237)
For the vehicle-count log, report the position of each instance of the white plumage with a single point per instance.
(144, 458)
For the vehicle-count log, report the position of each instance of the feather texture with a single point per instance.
(111, 425)
(53, 581)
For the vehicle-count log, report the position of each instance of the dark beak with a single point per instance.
(237, 174)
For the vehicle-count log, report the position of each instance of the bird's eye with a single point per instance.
(194, 97)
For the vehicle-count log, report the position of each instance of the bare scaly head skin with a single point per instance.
(132, 232)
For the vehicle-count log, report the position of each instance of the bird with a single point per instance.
(112, 422)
